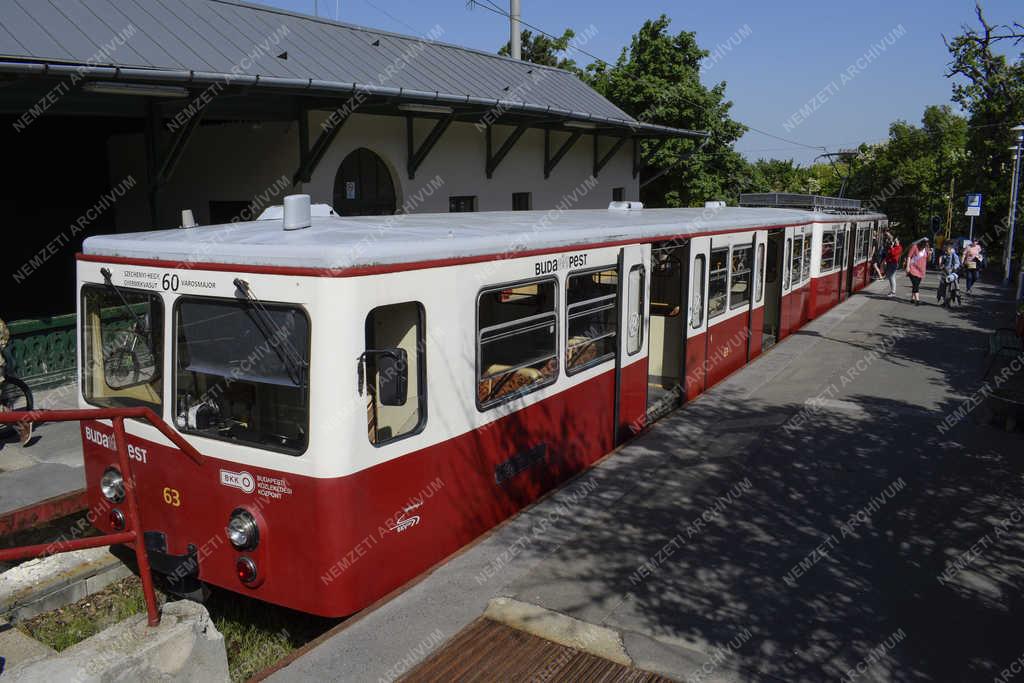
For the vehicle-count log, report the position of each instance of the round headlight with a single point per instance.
(112, 485)
(242, 530)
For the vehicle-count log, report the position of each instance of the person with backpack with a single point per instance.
(892, 264)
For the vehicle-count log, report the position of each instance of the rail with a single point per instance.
(133, 533)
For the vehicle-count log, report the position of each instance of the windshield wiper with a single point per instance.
(293, 361)
(142, 330)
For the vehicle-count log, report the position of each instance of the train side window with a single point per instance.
(788, 267)
(718, 282)
(396, 335)
(797, 260)
(666, 286)
(840, 259)
(592, 314)
(739, 284)
(828, 250)
(242, 372)
(635, 308)
(760, 273)
(805, 260)
(697, 292)
(517, 340)
(122, 347)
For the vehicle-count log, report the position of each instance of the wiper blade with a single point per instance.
(293, 361)
(142, 330)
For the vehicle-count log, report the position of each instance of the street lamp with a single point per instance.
(1018, 151)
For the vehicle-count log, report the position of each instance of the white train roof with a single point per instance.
(365, 241)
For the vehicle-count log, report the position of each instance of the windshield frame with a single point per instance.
(176, 369)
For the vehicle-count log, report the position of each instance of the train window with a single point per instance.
(666, 286)
(828, 250)
(697, 292)
(739, 284)
(122, 347)
(718, 282)
(517, 340)
(635, 287)
(798, 258)
(760, 273)
(788, 268)
(592, 313)
(395, 333)
(243, 372)
(805, 260)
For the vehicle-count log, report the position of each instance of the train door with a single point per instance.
(667, 327)
(755, 336)
(851, 256)
(789, 281)
(774, 269)
(696, 317)
(633, 337)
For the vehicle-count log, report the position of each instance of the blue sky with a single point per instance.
(780, 54)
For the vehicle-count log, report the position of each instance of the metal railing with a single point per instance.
(133, 532)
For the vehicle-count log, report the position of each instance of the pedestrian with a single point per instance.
(917, 266)
(892, 263)
(949, 268)
(878, 262)
(972, 263)
(24, 429)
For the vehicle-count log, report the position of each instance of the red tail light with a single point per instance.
(246, 570)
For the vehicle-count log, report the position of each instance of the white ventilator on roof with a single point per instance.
(276, 212)
(625, 206)
(187, 219)
(340, 242)
(297, 212)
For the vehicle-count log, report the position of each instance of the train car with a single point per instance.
(372, 393)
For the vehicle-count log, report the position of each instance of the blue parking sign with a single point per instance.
(973, 205)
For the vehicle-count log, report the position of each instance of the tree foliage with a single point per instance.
(541, 49)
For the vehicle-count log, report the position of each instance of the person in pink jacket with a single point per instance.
(917, 263)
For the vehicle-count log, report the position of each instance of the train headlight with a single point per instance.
(242, 530)
(112, 485)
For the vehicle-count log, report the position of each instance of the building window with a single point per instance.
(396, 346)
(591, 309)
(618, 194)
(253, 391)
(522, 201)
(636, 284)
(462, 203)
(828, 250)
(517, 340)
(739, 284)
(697, 292)
(122, 347)
(666, 286)
(805, 261)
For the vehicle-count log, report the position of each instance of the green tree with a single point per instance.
(544, 50)
(657, 80)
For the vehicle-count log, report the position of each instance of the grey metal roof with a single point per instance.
(207, 41)
(362, 241)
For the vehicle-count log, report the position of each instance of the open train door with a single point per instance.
(634, 320)
(696, 317)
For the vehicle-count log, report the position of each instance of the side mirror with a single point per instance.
(392, 367)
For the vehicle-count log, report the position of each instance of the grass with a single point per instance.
(256, 635)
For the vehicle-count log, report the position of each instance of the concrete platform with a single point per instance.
(815, 516)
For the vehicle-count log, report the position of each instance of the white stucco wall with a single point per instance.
(240, 162)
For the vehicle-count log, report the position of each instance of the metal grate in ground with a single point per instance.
(487, 650)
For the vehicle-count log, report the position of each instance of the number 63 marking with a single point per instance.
(172, 497)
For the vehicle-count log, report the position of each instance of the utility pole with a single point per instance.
(514, 38)
(1018, 151)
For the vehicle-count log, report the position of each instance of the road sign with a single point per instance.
(973, 205)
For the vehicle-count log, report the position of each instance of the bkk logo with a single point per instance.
(239, 480)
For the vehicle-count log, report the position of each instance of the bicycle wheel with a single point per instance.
(14, 395)
(122, 368)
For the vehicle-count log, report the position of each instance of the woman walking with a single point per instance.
(917, 265)
(971, 260)
(892, 264)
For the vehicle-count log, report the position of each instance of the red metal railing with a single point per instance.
(133, 533)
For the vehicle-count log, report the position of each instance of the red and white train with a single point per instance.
(372, 393)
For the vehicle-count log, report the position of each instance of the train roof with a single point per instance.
(341, 243)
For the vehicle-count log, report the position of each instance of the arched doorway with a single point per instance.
(363, 186)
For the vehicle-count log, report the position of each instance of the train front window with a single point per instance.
(517, 352)
(242, 372)
(122, 347)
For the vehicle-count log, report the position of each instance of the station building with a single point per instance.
(120, 116)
